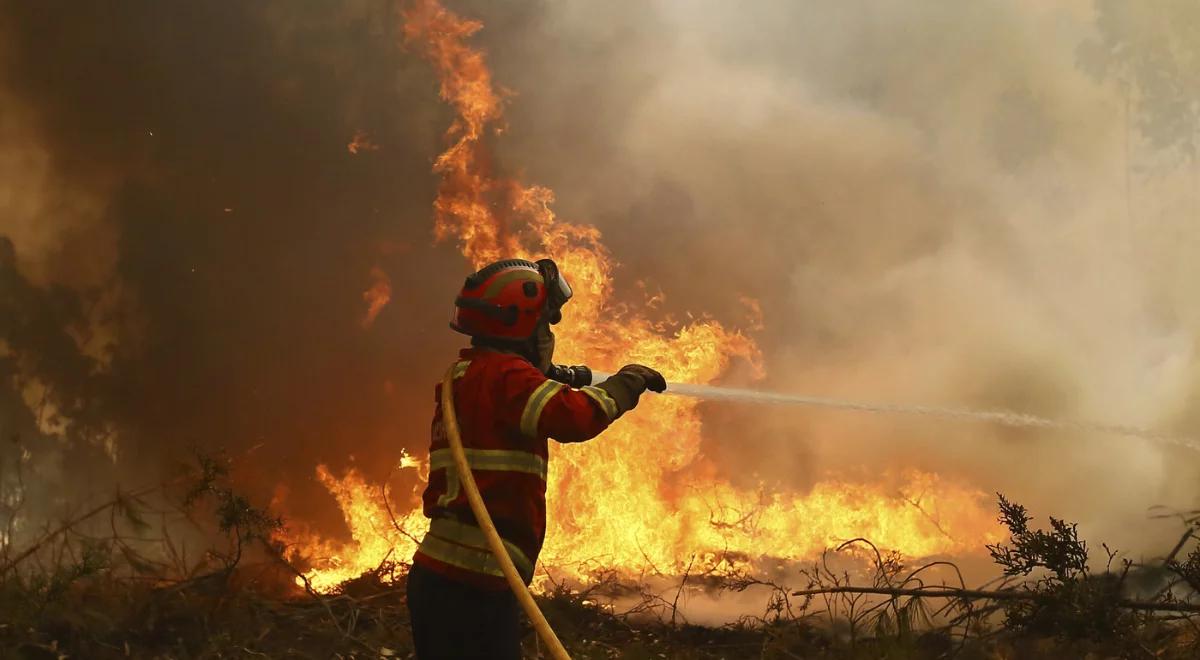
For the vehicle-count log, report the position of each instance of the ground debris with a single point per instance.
(79, 594)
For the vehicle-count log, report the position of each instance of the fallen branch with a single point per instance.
(67, 526)
(976, 594)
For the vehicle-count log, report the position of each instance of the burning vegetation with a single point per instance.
(118, 581)
(664, 539)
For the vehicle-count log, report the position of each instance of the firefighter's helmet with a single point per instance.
(507, 300)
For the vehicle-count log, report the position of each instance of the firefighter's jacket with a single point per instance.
(507, 409)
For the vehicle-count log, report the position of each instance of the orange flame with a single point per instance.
(641, 496)
(361, 142)
(377, 296)
(464, 202)
(376, 535)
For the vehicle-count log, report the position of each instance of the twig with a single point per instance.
(682, 584)
(68, 525)
(976, 594)
(1179, 546)
(916, 504)
(388, 505)
(307, 587)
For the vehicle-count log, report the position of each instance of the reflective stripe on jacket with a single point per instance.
(464, 547)
(507, 410)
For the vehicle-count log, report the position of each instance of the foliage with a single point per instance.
(1153, 49)
(241, 522)
(1069, 602)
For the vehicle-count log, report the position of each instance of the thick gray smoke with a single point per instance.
(975, 204)
(942, 203)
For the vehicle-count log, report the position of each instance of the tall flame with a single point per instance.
(641, 496)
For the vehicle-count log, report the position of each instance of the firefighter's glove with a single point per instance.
(627, 385)
(651, 379)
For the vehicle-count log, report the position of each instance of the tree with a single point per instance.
(1153, 49)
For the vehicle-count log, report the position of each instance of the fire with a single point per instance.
(377, 296)
(361, 142)
(377, 533)
(641, 497)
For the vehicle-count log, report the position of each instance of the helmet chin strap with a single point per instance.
(543, 347)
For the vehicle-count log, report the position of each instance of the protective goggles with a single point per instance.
(558, 292)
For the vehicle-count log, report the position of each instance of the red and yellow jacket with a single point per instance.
(507, 409)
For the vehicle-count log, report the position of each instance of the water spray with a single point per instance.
(1002, 417)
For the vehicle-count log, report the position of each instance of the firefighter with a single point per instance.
(459, 602)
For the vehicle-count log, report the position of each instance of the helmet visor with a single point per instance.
(558, 292)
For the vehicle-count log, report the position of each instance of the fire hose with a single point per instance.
(450, 418)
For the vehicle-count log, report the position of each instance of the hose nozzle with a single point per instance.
(574, 376)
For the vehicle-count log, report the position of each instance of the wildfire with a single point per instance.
(641, 497)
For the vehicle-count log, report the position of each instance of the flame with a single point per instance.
(641, 497)
(361, 142)
(377, 534)
(377, 296)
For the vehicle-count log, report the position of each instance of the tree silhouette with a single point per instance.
(1153, 49)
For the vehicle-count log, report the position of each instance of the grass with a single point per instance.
(107, 583)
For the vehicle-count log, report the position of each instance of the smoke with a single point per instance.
(933, 203)
(930, 203)
(190, 164)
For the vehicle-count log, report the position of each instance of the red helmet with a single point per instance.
(508, 299)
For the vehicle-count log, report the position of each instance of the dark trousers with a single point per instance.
(454, 621)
